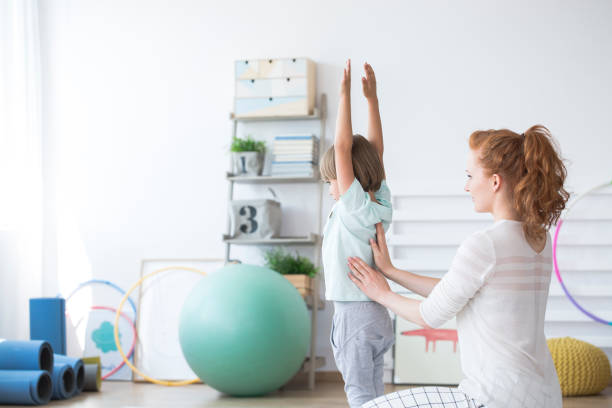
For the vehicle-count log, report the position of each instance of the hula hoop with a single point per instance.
(103, 282)
(556, 264)
(116, 331)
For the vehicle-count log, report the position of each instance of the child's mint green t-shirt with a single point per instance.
(351, 224)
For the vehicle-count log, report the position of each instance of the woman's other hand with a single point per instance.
(382, 259)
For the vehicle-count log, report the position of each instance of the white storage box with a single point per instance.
(273, 68)
(264, 88)
(258, 107)
(274, 87)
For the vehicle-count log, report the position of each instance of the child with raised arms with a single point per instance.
(362, 330)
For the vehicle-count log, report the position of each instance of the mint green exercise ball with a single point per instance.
(244, 330)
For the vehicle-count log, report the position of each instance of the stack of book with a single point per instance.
(294, 156)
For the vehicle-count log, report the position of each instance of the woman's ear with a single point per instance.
(496, 181)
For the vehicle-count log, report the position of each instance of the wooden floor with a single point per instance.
(326, 395)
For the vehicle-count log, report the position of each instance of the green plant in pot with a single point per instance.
(247, 156)
(298, 269)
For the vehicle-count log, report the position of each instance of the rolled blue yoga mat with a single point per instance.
(25, 387)
(48, 322)
(64, 381)
(26, 355)
(79, 370)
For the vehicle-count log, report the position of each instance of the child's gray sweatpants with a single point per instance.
(362, 332)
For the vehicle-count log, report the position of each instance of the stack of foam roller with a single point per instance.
(30, 374)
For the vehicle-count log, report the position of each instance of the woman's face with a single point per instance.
(481, 186)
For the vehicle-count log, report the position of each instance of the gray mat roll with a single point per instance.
(93, 377)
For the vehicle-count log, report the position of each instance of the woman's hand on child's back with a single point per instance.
(368, 82)
(345, 86)
(370, 281)
(380, 251)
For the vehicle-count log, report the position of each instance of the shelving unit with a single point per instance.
(272, 179)
(313, 239)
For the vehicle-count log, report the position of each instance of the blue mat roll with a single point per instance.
(26, 355)
(64, 381)
(25, 387)
(48, 322)
(79, 370)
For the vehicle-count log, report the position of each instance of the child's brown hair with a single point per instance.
(367, 165)
(534, 168)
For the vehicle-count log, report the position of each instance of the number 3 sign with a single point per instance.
(255, 219)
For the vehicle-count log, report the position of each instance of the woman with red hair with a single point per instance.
(497, 285)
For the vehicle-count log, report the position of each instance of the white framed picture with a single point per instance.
(160, 300)
(426, 356)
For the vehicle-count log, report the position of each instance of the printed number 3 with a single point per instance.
(251, 218)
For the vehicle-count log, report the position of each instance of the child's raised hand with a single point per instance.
(345, 87)
(368, 82)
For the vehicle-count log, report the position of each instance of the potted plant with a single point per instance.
(299, 270)
(247, 156)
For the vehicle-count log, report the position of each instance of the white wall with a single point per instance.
(137, 96)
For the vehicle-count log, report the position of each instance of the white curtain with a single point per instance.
(20, 165)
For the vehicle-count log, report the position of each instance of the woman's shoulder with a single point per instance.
(506, 231)
(481, 244)
(482, 236)
(506, 238)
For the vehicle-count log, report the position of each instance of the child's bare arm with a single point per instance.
(375, 135)
(344, 134)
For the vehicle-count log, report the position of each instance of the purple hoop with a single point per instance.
(556, 265)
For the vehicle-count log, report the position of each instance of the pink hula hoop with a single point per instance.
(129, 354)
(556, 264)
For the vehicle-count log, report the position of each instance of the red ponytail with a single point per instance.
(531, 163)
